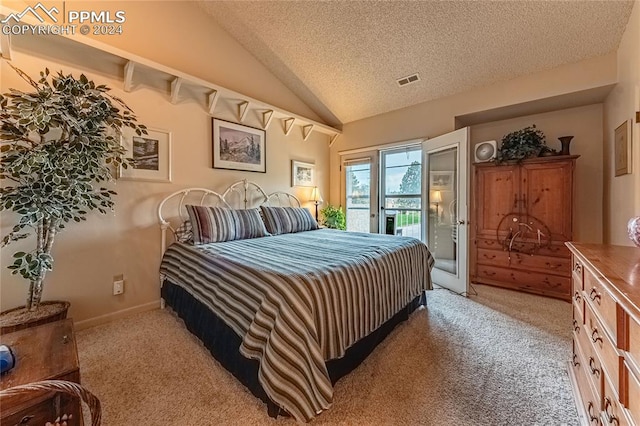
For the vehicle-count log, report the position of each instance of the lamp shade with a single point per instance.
(315, 195)
(436, 197)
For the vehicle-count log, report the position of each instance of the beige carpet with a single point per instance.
(498, 358)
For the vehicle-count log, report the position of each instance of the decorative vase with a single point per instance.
(633, 227)
(565, 141)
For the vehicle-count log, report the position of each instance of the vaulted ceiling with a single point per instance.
(343, 58)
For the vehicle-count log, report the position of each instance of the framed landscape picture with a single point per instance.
(151, 154)
(302, 174)
(622, 148)
(238, 147)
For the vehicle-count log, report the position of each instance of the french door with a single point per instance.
(360, 191)
(445, 187)
(401, 192)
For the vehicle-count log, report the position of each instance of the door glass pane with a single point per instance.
(358, 187)
(442, 229)
(402, 192)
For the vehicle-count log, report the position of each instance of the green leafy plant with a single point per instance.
(334, 217)
(57, 142)
(521, 144)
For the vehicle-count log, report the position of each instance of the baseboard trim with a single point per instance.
(103, 319)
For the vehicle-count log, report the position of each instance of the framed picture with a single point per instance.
(302, 174)
(238, 147)
(151, 154)
(622, 148)
(441, 181)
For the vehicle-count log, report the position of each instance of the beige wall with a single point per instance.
(585, 124)
(622, 193)
(437, 117)
(89, 254)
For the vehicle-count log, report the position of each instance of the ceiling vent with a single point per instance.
(408, 79)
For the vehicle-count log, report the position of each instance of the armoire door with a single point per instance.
(499, 190)
(547, 195)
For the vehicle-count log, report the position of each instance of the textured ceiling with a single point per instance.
(343, 57)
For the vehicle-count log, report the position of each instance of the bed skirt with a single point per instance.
(223, 342)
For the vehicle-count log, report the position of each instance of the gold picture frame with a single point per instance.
(622, 149)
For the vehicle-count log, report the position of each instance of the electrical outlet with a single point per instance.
(118, 287)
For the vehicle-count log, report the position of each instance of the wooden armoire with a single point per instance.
(523, 216)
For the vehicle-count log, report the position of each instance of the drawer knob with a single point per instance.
(595, 336)
(576, 327)
(611, 418)
(577, 267)
(574, 362)
(594, 295)
(592, 417)
(592, 365)
(577, 296)
(25, 420)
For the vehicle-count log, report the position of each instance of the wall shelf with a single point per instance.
(135, 71)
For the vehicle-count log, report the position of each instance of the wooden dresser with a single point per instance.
(45, 352)
(606, 338)
(512, 202)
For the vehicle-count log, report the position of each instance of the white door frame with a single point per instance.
(458, 283)
(374, 209)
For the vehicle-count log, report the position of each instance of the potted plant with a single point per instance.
(59, 143)
(521, 144)
(334, 217)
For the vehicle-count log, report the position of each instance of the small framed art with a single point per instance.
(302, 174)
(238, 147)
(622, 148)
(441, 181)
(151, 154)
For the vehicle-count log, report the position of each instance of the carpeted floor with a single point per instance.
(498, 358)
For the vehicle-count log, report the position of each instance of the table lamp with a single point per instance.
(316, 198)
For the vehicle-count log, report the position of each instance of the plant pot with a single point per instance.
(19, 318)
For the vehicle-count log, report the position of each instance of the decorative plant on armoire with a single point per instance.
(59, 143)
(522, 144)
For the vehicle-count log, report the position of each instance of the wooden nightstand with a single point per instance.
(46, 352)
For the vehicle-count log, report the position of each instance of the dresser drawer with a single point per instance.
(578, 317)
(602, 303)
(591, 365)
(602, 345)
(632, 381)
(555, 250)
(544, 264)
(531, 281)
(634, 342)
(589, 401)
(577, 271)
(612, 411)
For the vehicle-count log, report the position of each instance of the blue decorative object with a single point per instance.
(7, 359)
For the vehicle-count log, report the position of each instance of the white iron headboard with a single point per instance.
(245, 195)
(172, 211)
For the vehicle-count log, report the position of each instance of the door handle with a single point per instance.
(460, 222)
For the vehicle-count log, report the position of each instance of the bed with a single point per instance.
(288, 314)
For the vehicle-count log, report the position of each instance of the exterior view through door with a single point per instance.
(422, 190)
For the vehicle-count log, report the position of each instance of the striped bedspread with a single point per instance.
(300, 299)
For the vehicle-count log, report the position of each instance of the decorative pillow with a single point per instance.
(184, 233)
(249, 224)
(285, 220)
(212, 224)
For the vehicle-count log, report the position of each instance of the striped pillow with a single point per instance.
(212, 224)
(184, 233)
(249, 224)
(285, 220)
